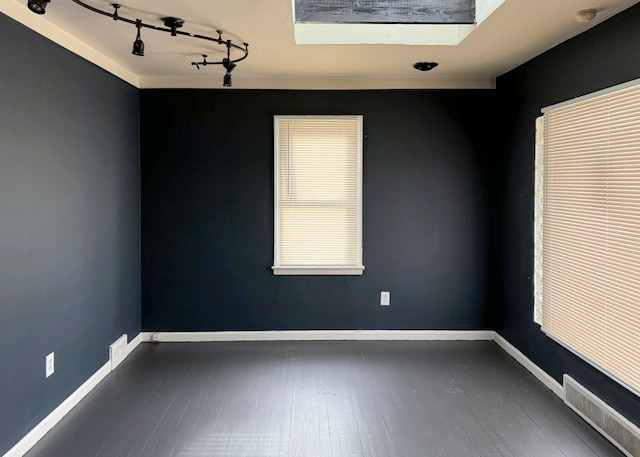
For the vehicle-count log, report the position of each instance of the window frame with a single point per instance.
(610, 368)
(316, 270)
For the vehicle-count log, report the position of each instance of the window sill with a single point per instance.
(317, 271)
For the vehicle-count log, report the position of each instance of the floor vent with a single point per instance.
(621, 432)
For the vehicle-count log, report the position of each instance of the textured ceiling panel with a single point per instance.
(386, 11)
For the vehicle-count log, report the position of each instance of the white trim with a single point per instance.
(318, 271)
(41, 429)
(321, 335)
(37, 23)
(599, 93)
(355, 269)
(485, 8)
(276, 193)
(313, 33)
(628, 426)
(133, 344)
(36, 434)
(538, 219)
(534, 369)
(240, 83)
(29, 440)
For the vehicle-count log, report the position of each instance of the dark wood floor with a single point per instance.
(373, 399)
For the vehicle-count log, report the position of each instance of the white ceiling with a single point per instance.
(517, 31)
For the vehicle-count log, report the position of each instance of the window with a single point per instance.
(587, 229)
(318, 195)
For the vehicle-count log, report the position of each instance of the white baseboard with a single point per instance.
(320, 335)
(134, 343)
(31, 438)
(39, 431)
(534, 369)
(26, 443)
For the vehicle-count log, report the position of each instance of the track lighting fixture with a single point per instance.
(38, 6)
(138, 45)
(227, 62)
(229, 66)
(171, 25)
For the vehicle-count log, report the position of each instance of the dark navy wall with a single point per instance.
(434, 188)
(602, 57)
(207, 212)
(69, 223)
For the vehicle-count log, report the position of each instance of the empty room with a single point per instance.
(319, 228)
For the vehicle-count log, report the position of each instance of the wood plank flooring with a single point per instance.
(322, 399)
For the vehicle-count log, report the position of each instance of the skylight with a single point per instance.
(405, 22)
(386, 11)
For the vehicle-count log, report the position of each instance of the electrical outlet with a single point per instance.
(385, 298)
(49, 365)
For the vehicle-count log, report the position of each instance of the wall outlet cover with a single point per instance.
(50, 365)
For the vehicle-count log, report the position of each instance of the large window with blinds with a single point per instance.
(318, 195)
(587, 229)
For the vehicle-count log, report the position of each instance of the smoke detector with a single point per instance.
(586, 15)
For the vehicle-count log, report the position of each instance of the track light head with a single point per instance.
(138, 45)
(228, 64)
(138, 48)
(226, 82)
(37, 6)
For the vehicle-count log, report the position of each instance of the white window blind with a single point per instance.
(318, 195)
(588, 258)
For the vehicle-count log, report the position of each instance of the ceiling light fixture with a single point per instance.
(226, 81)
(425, 66)
(138, 45)
(227, 63)
(38, 6)
(171, 25)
